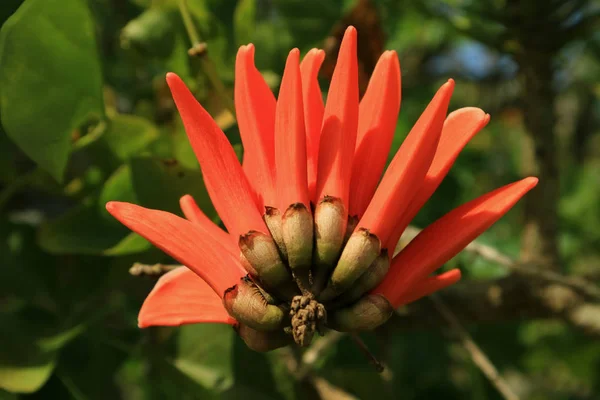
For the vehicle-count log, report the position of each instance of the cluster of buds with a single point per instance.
(308, 275)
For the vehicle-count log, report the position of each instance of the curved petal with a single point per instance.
(407, 170)
(188, 243)
(314, 108)
(459, 128)
(340, 123)
(290, 138)
(447, 236)
(377, 117)
(182, 297)
(428, 286)
(255, 109)
(194, 214)
(225, 181)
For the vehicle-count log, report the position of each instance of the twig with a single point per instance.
(477, 355)
(491, 254)
(139, 269)
(367, 353)
(314, 352)
(199, 49)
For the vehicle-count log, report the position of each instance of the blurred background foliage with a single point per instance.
(87, 117)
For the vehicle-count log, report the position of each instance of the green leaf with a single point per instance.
(159, 184)
(205, 354)
(50, 78)
(26, 378)
(128, 135)
(151, 33)
(84, 230)
(244, 21)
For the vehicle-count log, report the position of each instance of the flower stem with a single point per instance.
(199, 50)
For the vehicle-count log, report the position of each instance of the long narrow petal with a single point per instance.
(314, 108)
(194, 214)
(428, 286)
(182, 297)
(377, 117)
(340, 123)
(459, 128)
(447, 236)
(407, 170)
(186, 242)
(225, 181)
(255, 109)
(290, 138)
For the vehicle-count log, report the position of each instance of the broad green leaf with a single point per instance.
(50, 78)
(128, 135)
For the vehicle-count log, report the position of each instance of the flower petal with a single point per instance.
(182, 297)
(340, 123)
(255, 109)
(447, 236)
(314, 108)
(428, 286)
(407, 170)
(225, 181)
(290, 138)
(377, 117)
(195, 215)
(188, 243)
(459, 128)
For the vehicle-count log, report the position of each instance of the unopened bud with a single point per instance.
(272, 218)
(330, 228)
(362, 249)
(245, 302)
(263, 341)
(261, 252)
(367, 281)
(297, 224)
(367, 314)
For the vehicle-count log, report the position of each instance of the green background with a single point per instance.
(86, 117)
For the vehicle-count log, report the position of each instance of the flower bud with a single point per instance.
(365, 315)
(263, 341)
(261, 252)
(367, 281)
(330, 228)
(297, 224)
(362, 249)
(272, 218)
(246, 304)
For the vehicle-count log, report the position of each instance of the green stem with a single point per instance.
(206, 63)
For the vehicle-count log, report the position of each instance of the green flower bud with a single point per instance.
(246, 304)
(272, 218)
(365, 315)
(362, 249)
(260, 251)
(297, 224)
(367, 281)
(330, 228)
(263, 341)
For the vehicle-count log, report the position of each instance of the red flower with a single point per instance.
(311, 170)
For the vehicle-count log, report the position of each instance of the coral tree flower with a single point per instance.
(311, 222)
